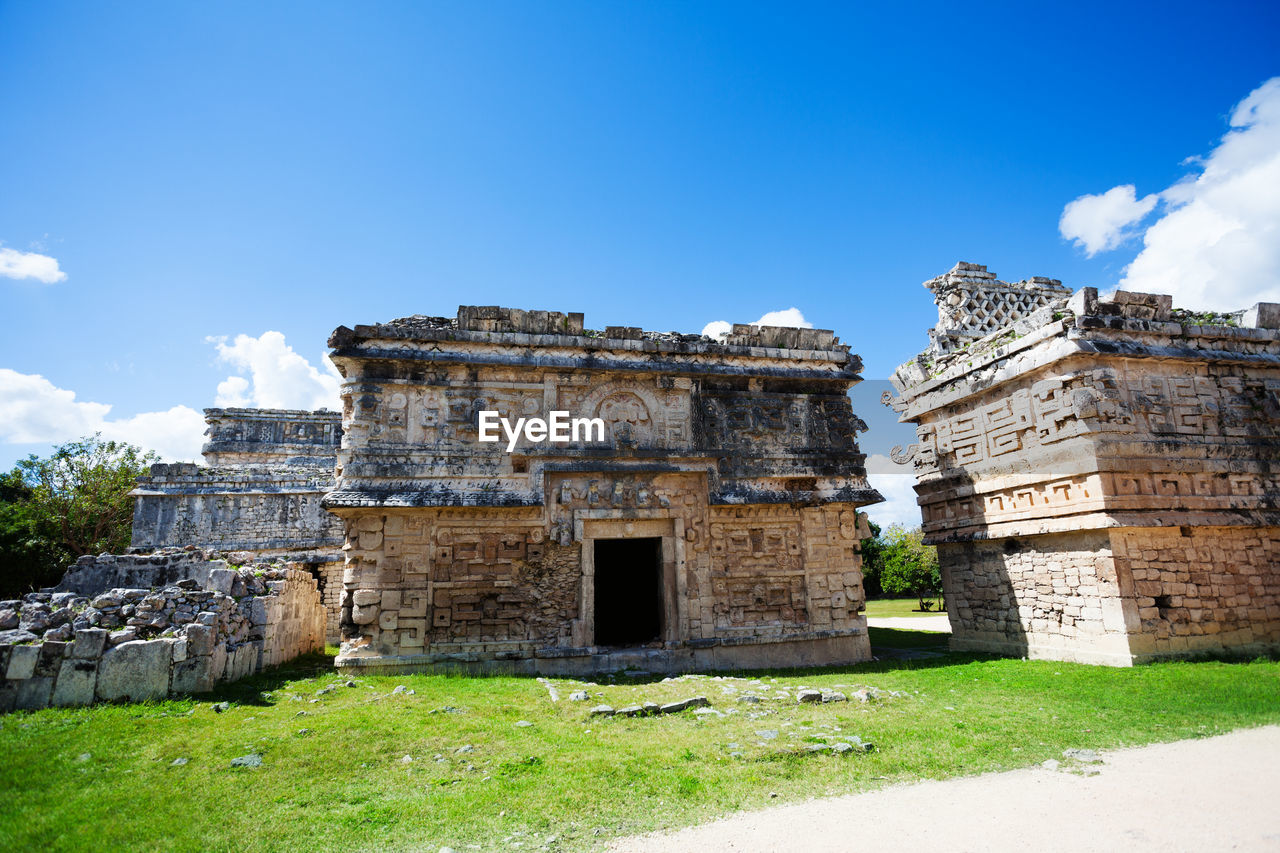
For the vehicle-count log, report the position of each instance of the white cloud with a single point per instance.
(1217, 244)
(233, 392)
(1100, 222)
(177, 434)
(37, 411)
(717, 329)
(20, 265)
(790, 317)
(278, 378)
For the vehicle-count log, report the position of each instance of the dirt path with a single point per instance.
(1220, 793)
(912, 623)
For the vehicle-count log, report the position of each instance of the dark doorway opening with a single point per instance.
(628, 582)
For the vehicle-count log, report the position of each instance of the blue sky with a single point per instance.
(215, 170)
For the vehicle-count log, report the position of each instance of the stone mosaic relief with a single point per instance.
(1102, 401)
(438, 578)
(508, 587)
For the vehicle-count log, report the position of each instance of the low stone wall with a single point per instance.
(135, 643)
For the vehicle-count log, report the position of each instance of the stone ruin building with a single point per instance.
(257, 497)
(1100, 474)
(711, 523)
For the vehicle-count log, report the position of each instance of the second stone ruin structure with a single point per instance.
(257, 497)
(1101, 475)
(713, 524)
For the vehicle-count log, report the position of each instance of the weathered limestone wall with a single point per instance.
(1046, 448)
(329, 578)
(1201, 589)
(219, 624)
(739, 457)
(265, 510)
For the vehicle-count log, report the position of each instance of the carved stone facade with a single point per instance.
(714, 526)
(259, 496)
(1099, 477)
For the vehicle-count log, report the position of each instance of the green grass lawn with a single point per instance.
(334, 775)
(897, 638)
(884, 607)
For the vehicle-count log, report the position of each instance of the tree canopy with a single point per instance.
(76, 501)
(897, 561)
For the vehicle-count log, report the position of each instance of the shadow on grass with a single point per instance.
(893, 647)
(905, 638)
(248, 691)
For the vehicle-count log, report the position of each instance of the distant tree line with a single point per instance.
(52, 510)
(896, 561)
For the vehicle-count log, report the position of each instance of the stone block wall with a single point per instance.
(1196, 589)
(239, 437)
(219, 624)
(329, 578)
(1056, 596)
(481, 583)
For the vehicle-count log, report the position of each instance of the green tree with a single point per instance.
(872, 560)
(74, 502)
(25, 555)
(909, 565)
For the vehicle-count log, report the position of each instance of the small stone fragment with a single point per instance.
(250, 760)
(692, 702)
(809, 696)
